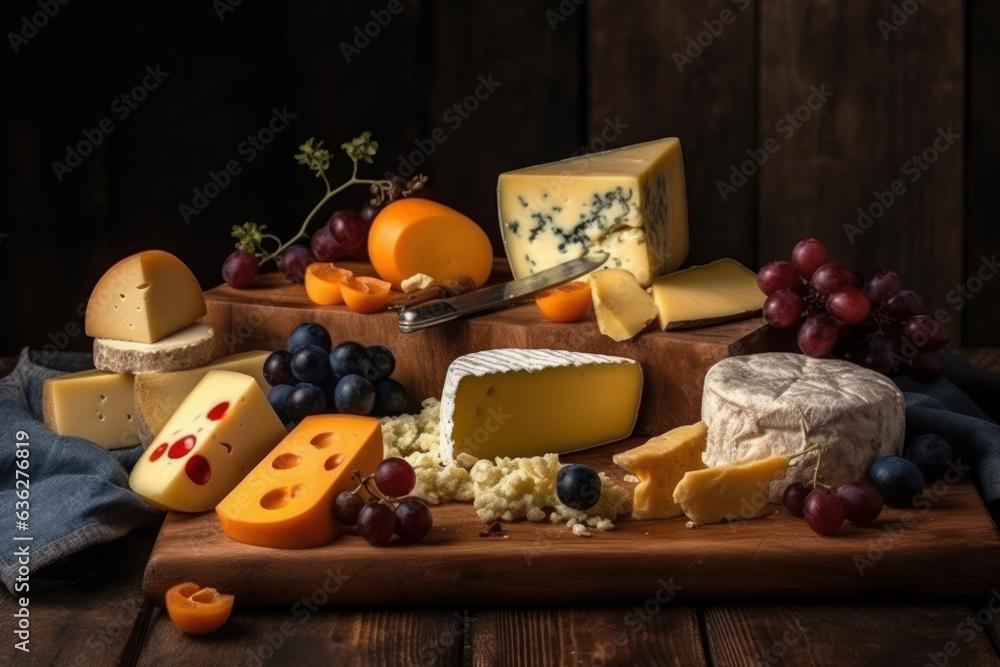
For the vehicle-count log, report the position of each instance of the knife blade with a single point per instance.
(439, 311)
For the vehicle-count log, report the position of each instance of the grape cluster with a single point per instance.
(825, 510)
(384, 515)
(872, 322)
(344, 236)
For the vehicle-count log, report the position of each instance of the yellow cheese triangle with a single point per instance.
(660, 464)
(729, 492)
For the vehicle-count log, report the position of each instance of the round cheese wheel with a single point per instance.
(416, 235)
(776, 404)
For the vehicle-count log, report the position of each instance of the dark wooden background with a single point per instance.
(566, 69)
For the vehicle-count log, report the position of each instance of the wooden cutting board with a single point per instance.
(673, 363)
(952, 548)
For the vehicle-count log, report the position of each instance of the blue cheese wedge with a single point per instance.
(630, 202)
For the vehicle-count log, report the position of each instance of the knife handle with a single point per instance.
(453, 287)
(426, 315)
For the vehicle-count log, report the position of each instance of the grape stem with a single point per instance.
(374, 494)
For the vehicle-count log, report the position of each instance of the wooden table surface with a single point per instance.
(89, 610)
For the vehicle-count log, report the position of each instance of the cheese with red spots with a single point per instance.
(218, 434)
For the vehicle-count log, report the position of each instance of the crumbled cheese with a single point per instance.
(505, 489)
(416, 282)
(580, 530)
(630, 478)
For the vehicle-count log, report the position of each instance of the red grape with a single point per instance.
(783, 308)
(881, 285)
(807, 256)
(376, 523)
(774, 276)
(850, 305)
(395, 477)
(324, 247)
(862, 502)
(295, 261)
(817, 335)
(824, 511)
(348, 229)
(926, 333)
(906, 304)
(368, 213)
(924, 367)
(240, 268)
(879, 355)
(413, 519)
(830, 277)
(346, 508)
(794, 498)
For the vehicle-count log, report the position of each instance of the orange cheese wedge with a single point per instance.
(323, 281)
(287, 500)
(364, 294)
(415, 235)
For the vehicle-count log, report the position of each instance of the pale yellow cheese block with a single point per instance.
(729, 492)
(719, 292)
(94, 405)
(660, 464)
(622, 306)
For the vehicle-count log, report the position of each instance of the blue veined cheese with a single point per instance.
(630, 202)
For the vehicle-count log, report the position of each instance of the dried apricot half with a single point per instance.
(565, 303)
(197, 610)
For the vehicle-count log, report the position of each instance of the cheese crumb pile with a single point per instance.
(505, 489)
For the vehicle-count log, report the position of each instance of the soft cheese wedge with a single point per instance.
(144, 298)
(222, 430)
(287, 501)
(192, 346)
(94, 405)
(158, 395)
(513, 402)
(704, 295)
(660, 464)
(729, 492)
(622, 306)
(630, 202)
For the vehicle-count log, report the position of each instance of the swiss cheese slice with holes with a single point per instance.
(222, 430)
(287, 501)
(94, 405)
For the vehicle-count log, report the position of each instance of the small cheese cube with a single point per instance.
(222, 430)
(287, 500)
(703, 295)
(622, 306)
(729, 492)
(660, 464)
(94, 405)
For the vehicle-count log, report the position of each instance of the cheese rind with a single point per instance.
(158, 395)
(224, 427)
(287, 501)
(94, 405)
(722, 291)
(762, 405)
(729, 492)
(630, 202)
(622, 306)
(190, 347)
(660, 464)
(523, 403)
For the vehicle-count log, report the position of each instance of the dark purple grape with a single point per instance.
(413, 519)
(278, 369)
(774, 276)
(879, 355)
(395, 478)
(390, 398)
(926, 333)
(862, 502)
(383, 362)
(850, 305)
(924, 367)
(376, 523)
(905, 305)
(881, 285)
(324, 247)
(346, 508)
(783, 308)
(354, 395)
(824, 511)
(794, 498)
(932, 454)
(898, 481)
(240, 268)
(305, 400)
(348, 229)
(817, 335)
(807, 256)
(830, 277)
(295, 261)
(368, 213)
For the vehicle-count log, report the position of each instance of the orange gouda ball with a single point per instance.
(416, 235)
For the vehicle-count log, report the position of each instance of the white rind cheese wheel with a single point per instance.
(773, 404)
(192, 346)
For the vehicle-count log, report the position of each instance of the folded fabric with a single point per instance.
(78, 492)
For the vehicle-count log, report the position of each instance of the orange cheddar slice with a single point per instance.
(287, 500)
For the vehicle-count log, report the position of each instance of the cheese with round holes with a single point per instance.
(630, 202)
(287, 500)
(514, 403)
(222, 430)
(144, 298)
(94, 405)
(192, 346)
(778, 403)
(416, 235)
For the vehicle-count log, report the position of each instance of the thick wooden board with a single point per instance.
(773, 556)
(673, 363)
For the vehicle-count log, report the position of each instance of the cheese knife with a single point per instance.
(439, 311)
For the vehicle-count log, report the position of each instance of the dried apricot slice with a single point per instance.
(323, 281)
(565, 303)
(197, 610)
(365, 295)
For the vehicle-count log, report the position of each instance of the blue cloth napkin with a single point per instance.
(78, 492)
